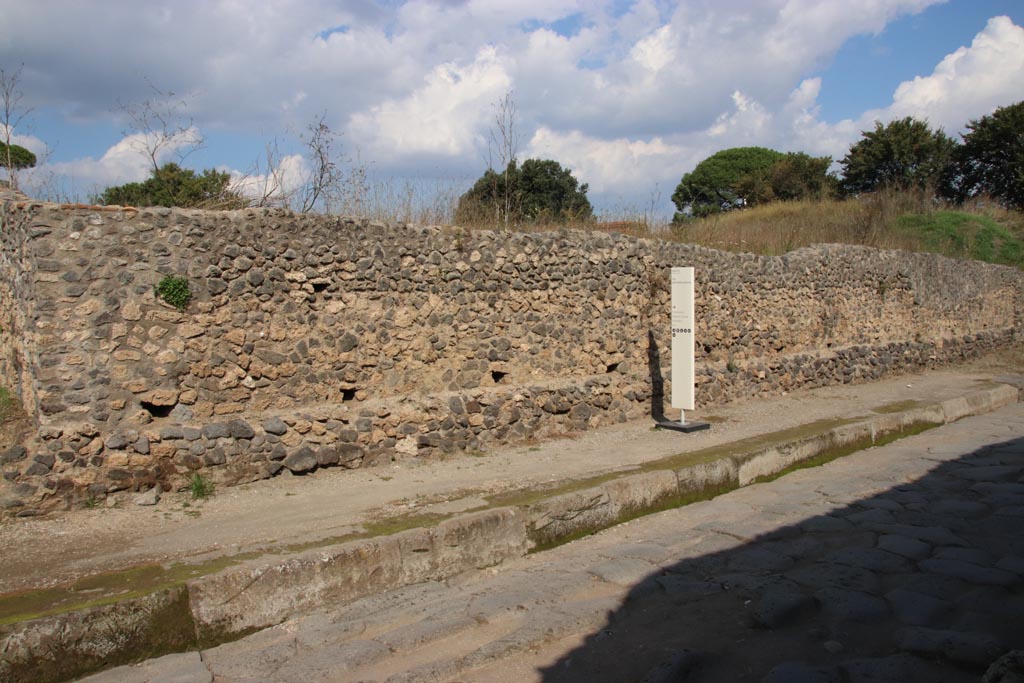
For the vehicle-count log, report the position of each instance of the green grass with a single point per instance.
(964, 235)
(200, 487)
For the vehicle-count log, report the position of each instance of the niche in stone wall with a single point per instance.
(157, 410)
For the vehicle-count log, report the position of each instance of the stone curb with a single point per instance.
(260, 593)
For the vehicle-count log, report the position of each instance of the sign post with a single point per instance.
(683, 328)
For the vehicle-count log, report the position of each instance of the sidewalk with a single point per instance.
(86, 558)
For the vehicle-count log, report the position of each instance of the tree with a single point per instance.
(321, 178)
(11, 116)
(725, 180)
(747, 176)
(171, 185)
(991, 159)
(505, 142)
(16, 156)
(903, 154)
(546, 191)
(801, 176)
(540, 190)
(326, 177)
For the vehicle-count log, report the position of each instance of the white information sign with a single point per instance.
(682, 338)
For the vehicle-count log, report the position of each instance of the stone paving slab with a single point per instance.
(664, 598)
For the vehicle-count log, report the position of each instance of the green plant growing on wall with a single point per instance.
(175, 291)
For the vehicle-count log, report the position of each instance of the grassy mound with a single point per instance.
(884, 220)
(964, 235)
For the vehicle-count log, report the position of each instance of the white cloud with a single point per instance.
(127, 160)
(273, 186)
(655, 51)
(967, 84)
(443, 117)
(748, 121)
(970, 82)
(636, 93)
(618, 171)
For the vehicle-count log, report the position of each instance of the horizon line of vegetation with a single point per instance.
(902, 185)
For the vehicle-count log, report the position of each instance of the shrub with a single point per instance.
(171, 185)
(200, 486)
(539, 191)
(175, 291)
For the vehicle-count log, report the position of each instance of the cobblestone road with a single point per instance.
(898, 564)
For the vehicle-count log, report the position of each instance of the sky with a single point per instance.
(629, 95)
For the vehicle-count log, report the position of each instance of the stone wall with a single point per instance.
(317, 341)
(17, 306)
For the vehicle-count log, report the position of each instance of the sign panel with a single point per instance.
(682, 338)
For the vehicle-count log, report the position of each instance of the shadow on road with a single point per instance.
(922, 582)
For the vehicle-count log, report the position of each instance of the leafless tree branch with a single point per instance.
(159, 122)
(11, 115)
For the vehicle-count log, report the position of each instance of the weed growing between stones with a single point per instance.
(175, 291)
(91, 501)
(200, 487)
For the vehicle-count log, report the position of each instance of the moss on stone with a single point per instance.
(843, 450)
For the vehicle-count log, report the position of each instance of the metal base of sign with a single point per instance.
(694, 426)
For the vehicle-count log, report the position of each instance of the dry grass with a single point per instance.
(424, 202)
(885, 220)
(783, 226)
(770, 229)
(911, 221)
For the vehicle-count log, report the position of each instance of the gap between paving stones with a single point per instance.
(259, 592)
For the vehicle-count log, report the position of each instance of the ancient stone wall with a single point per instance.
(317, 341)
(17, 305)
